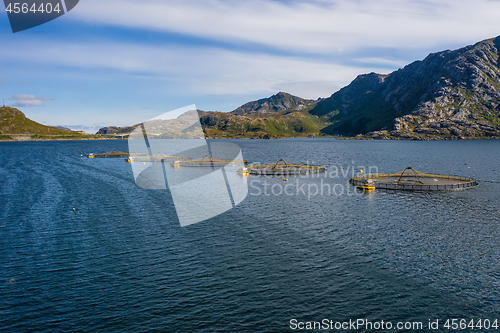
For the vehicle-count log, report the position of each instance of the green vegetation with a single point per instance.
(13, 121)
(75, 136)
(279, 116)
(275, 125)
(14, 125)
(493, 118)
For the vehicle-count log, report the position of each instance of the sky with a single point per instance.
(122, 62)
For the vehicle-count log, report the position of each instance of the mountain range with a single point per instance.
(279, 116)
(447, 95)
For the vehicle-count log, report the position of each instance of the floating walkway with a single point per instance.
(112, 154)
(412, 180)
(281, 168)
(207, 161)
(158, 157)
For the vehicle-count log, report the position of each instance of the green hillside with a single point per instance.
(13, 121)
(279, 116)
(279, 124)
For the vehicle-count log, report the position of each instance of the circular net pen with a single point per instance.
(207, 161)
(282, 168)
(158, 157)
(113, 154)
(413, 180)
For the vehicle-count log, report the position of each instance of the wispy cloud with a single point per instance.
(309, 48)
(381, 61)
(328, 26)
(213, 71)
(22, 100)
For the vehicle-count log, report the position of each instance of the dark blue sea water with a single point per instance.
(121, 262)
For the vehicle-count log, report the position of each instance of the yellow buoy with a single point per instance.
(243, 171)
(366, 185)
(366, 188)
(285, 180)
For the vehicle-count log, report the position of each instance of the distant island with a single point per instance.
(448, 95)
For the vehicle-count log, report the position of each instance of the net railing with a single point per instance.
(283, 167)
(462, 182)
(112, 154)
(158, 157)
(207, 161)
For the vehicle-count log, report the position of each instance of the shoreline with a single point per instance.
(299, 137)
(67, 139)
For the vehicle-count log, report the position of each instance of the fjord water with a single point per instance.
(120, 262)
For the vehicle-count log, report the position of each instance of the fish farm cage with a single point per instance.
(207, 161)
(281, 167)
(158, 157)
(412, 180)
(113, 154)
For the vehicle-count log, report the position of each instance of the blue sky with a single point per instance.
(121, 62)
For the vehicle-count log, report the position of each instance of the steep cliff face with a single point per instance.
(448, 94)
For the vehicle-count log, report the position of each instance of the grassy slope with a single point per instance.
(282, 124)
(13, 121)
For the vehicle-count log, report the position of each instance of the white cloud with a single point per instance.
(325, 27)
(381, 61)
(189, 71)
(325, 43)
(22, 100)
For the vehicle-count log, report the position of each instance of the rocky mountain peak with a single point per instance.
(282, 101)
(449, 93)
